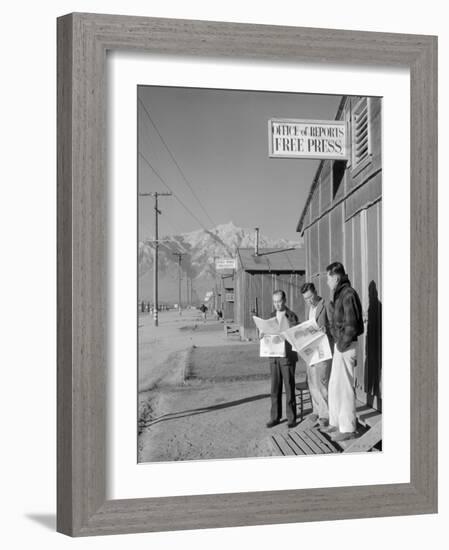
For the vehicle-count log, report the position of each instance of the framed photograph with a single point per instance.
(247, 320)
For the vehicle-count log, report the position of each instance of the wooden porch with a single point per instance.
(307, 439)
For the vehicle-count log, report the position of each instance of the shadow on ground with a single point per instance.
(46, 520)
(211, 408)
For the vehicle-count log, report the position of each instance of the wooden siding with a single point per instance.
(314, 252)
(324, 256)
(336, 234)
(364, 196)
(326, 187)
(315, 209)
(227, 286)
(343, 223)
(254, 296)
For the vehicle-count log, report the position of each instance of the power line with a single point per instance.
(175, 234)
(171, 190)
(162, 243)
(170, 249)
(168, 187)
(171, 238)
(186, 181)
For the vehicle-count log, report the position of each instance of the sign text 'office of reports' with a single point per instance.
(315, 139)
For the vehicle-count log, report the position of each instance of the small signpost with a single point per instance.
(225, 263)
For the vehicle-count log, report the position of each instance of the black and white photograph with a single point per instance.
(225, 219)
(259, 258)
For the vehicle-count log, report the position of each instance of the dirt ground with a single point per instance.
(162, 349)
(203, 395)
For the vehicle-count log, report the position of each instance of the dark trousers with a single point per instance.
(282, 372)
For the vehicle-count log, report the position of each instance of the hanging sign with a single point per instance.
(308, 139)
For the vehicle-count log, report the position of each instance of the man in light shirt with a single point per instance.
(319, 373)
(282, 369)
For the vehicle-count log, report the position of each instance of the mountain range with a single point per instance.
(199, 249)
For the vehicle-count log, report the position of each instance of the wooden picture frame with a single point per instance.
(83, 40)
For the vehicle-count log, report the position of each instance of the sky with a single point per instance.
(219, 140)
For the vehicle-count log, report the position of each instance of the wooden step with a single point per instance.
(364, 441)
(366, 415)
(367, 441)
(285, 447)
(302, 442)
(306, 438)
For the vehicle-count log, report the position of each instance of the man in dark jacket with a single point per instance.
(282, 369)
(346, 325)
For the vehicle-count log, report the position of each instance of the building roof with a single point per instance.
(272, 260)
(316, 178)
(225, 273)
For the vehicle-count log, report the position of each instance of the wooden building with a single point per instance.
(257, 276)
(227, 294)
(341, 221)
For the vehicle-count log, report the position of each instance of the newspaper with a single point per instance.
(272, 344)
(307, 339)
(267, 326)
(310, 342)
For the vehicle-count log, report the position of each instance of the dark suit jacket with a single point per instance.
(290, 356)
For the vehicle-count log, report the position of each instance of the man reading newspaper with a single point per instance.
(318, 373)
(282, 359)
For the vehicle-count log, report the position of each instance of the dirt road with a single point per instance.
(204, 396)
(162, 349)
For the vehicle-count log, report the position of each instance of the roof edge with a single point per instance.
(300, 223)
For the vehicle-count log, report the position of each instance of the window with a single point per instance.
(361, 147)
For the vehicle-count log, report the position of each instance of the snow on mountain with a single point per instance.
(200, 247)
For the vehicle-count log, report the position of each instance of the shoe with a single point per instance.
(272, 423)
(323, 423)
(342, 436)
(328, 429)
(291, 424)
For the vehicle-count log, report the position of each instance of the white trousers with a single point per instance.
(318, 380)
(342, 389)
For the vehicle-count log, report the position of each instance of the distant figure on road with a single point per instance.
(203, 309)
(318, 373)
(282, 369)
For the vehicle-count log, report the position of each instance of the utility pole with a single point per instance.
(180, 255)
(256, 241)
(215, 283)
(156, 195)
(192, 292)
(187, 291)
